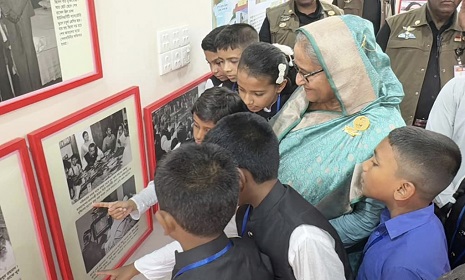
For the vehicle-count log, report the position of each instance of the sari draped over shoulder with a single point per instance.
(319, 149)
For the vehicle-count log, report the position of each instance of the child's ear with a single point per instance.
(243, 180)
(166, 221)
(405, 191)
(281, 86)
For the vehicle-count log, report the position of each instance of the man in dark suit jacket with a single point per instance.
(5, 86)
(17, 14)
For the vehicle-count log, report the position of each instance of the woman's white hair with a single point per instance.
(309, 50)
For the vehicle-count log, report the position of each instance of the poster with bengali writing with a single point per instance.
(94, 155)
(241, 11)
(408, 5)
(46, 48)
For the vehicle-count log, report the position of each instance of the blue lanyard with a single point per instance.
(279, 103)
(204, 261)
(244, 221)
(234, 87)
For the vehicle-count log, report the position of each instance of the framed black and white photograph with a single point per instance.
(7, 256)
(168, 121)
(24, 246)
(96, 154)
(46, 47)
(98, 232)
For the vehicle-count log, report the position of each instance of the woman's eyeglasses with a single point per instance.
(305, 76)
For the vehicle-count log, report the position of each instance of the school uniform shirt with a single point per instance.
(283, 97)
(447, 117)
(226, 259)
(311, 253)
(409, 246)
(215, 82)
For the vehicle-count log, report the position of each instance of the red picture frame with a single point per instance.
(150, 109)
(102, 173)
(31, 257)
(54, 52)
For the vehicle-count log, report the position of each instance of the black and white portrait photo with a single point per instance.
(93, 155)
(29, 57)
(98, 233)
(7, 258)
(172, 123)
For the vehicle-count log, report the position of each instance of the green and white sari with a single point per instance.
(319, 149)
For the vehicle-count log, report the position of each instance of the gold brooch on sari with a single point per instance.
(360, 124)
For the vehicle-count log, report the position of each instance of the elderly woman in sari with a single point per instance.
(346, 104)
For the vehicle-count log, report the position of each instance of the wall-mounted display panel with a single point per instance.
(252, 12)
(46, 48)
(95, 154)
(168, 121)
(24, 247)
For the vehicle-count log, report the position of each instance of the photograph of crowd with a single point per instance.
(7, 258)
(28, 47)
(172, 123)
(93, 155)
(98, 233)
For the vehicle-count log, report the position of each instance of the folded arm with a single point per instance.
(358, 224)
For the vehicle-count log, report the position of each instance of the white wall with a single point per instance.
(127, 35)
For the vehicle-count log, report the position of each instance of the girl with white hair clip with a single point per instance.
(262, 78)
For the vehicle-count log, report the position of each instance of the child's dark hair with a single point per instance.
(208, 43)
(235, 36)
(217, 102)
(199, 186)
(262, 60)
(251, 141)
(427, 159)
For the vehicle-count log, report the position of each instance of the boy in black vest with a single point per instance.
(300, 242)
(197, 189)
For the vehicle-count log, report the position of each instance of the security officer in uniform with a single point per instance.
(282, 21)
(375, 11)
(426, 47)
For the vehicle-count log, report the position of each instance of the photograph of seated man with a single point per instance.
(92, 156)
(98, 232)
